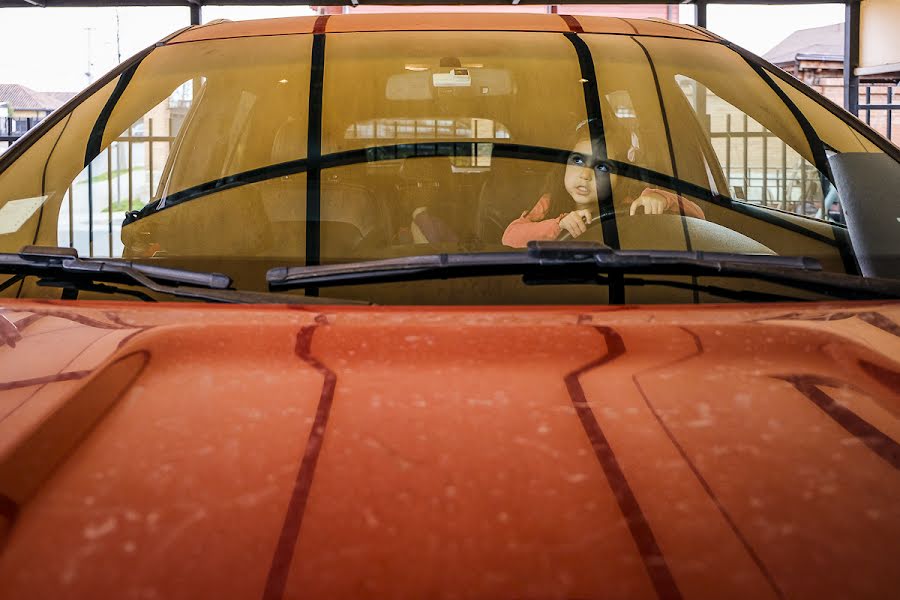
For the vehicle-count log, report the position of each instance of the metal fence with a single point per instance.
(878, 109)
(120, 179)
(760, 168)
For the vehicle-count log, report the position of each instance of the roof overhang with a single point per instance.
(822, 57)
(888, 70)
(189, 3)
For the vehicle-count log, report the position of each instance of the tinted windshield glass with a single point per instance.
(251, 152)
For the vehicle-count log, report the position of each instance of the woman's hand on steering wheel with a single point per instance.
(575, 223)
(651, 202)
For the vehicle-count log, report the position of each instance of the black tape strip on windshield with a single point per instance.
(314, 149)
(817, 147)
(319, 25)
(95, 140)
(466, 149)
(630, 25)
(665, 118)
(572, 23)
(40, 220)
(845, 117)
(598, 138)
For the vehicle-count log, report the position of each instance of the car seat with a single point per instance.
(513, 186)
(427, 197)
(349, 212)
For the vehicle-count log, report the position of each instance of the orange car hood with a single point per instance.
(191, 451)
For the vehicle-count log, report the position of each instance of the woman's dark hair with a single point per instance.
(554, 185)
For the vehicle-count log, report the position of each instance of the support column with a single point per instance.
(851, 56)
(195, 14)
(701, 13)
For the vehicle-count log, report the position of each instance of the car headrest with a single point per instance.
(290, 142)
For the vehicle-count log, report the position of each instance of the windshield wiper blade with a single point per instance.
(38, 260)
(62, 267)
(573, 262)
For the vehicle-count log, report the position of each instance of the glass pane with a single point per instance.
(123, 177)
(759, 167)
(724, 78)
(832, 130)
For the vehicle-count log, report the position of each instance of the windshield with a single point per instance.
(241, 154)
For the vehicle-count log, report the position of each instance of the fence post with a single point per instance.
(728, 149)
(130, 167)
(90, 182)
(765, 181)
(109, 194)
(868, 105)
(784, 188)
(890, 111)
(150, 155)
(71, 217)
(746, 160)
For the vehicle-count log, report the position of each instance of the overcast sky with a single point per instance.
(49, 49)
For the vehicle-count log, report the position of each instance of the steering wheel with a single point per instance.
(593, 232)
(667, 232)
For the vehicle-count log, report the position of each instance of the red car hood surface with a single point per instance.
(191, 451)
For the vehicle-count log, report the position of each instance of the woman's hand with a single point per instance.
(576, 222)
(653, 203)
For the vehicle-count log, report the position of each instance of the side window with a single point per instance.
(123, 177)
(733, 135)
(192, 116)
(759, 167)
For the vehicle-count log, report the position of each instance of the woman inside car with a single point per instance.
(570, 199)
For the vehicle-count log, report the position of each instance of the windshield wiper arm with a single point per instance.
(572, 262)
(61, 267)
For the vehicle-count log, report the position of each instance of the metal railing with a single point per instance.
(880, 115)
(762, 169)
(12, 128)
(122, 178)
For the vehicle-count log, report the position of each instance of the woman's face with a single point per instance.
(579, 177)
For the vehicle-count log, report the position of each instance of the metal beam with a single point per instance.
(195, 13)
(189, 3)
(851, 56)
(701, 13)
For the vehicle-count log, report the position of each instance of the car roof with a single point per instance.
(553, 23)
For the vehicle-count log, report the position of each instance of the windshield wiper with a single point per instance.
(573, 262)
(61, 267)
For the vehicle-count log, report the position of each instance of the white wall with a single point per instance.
(879, 33)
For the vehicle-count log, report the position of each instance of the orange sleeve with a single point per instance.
(532, 226)
(675, 204)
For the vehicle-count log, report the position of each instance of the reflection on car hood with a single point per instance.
(234, 452)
